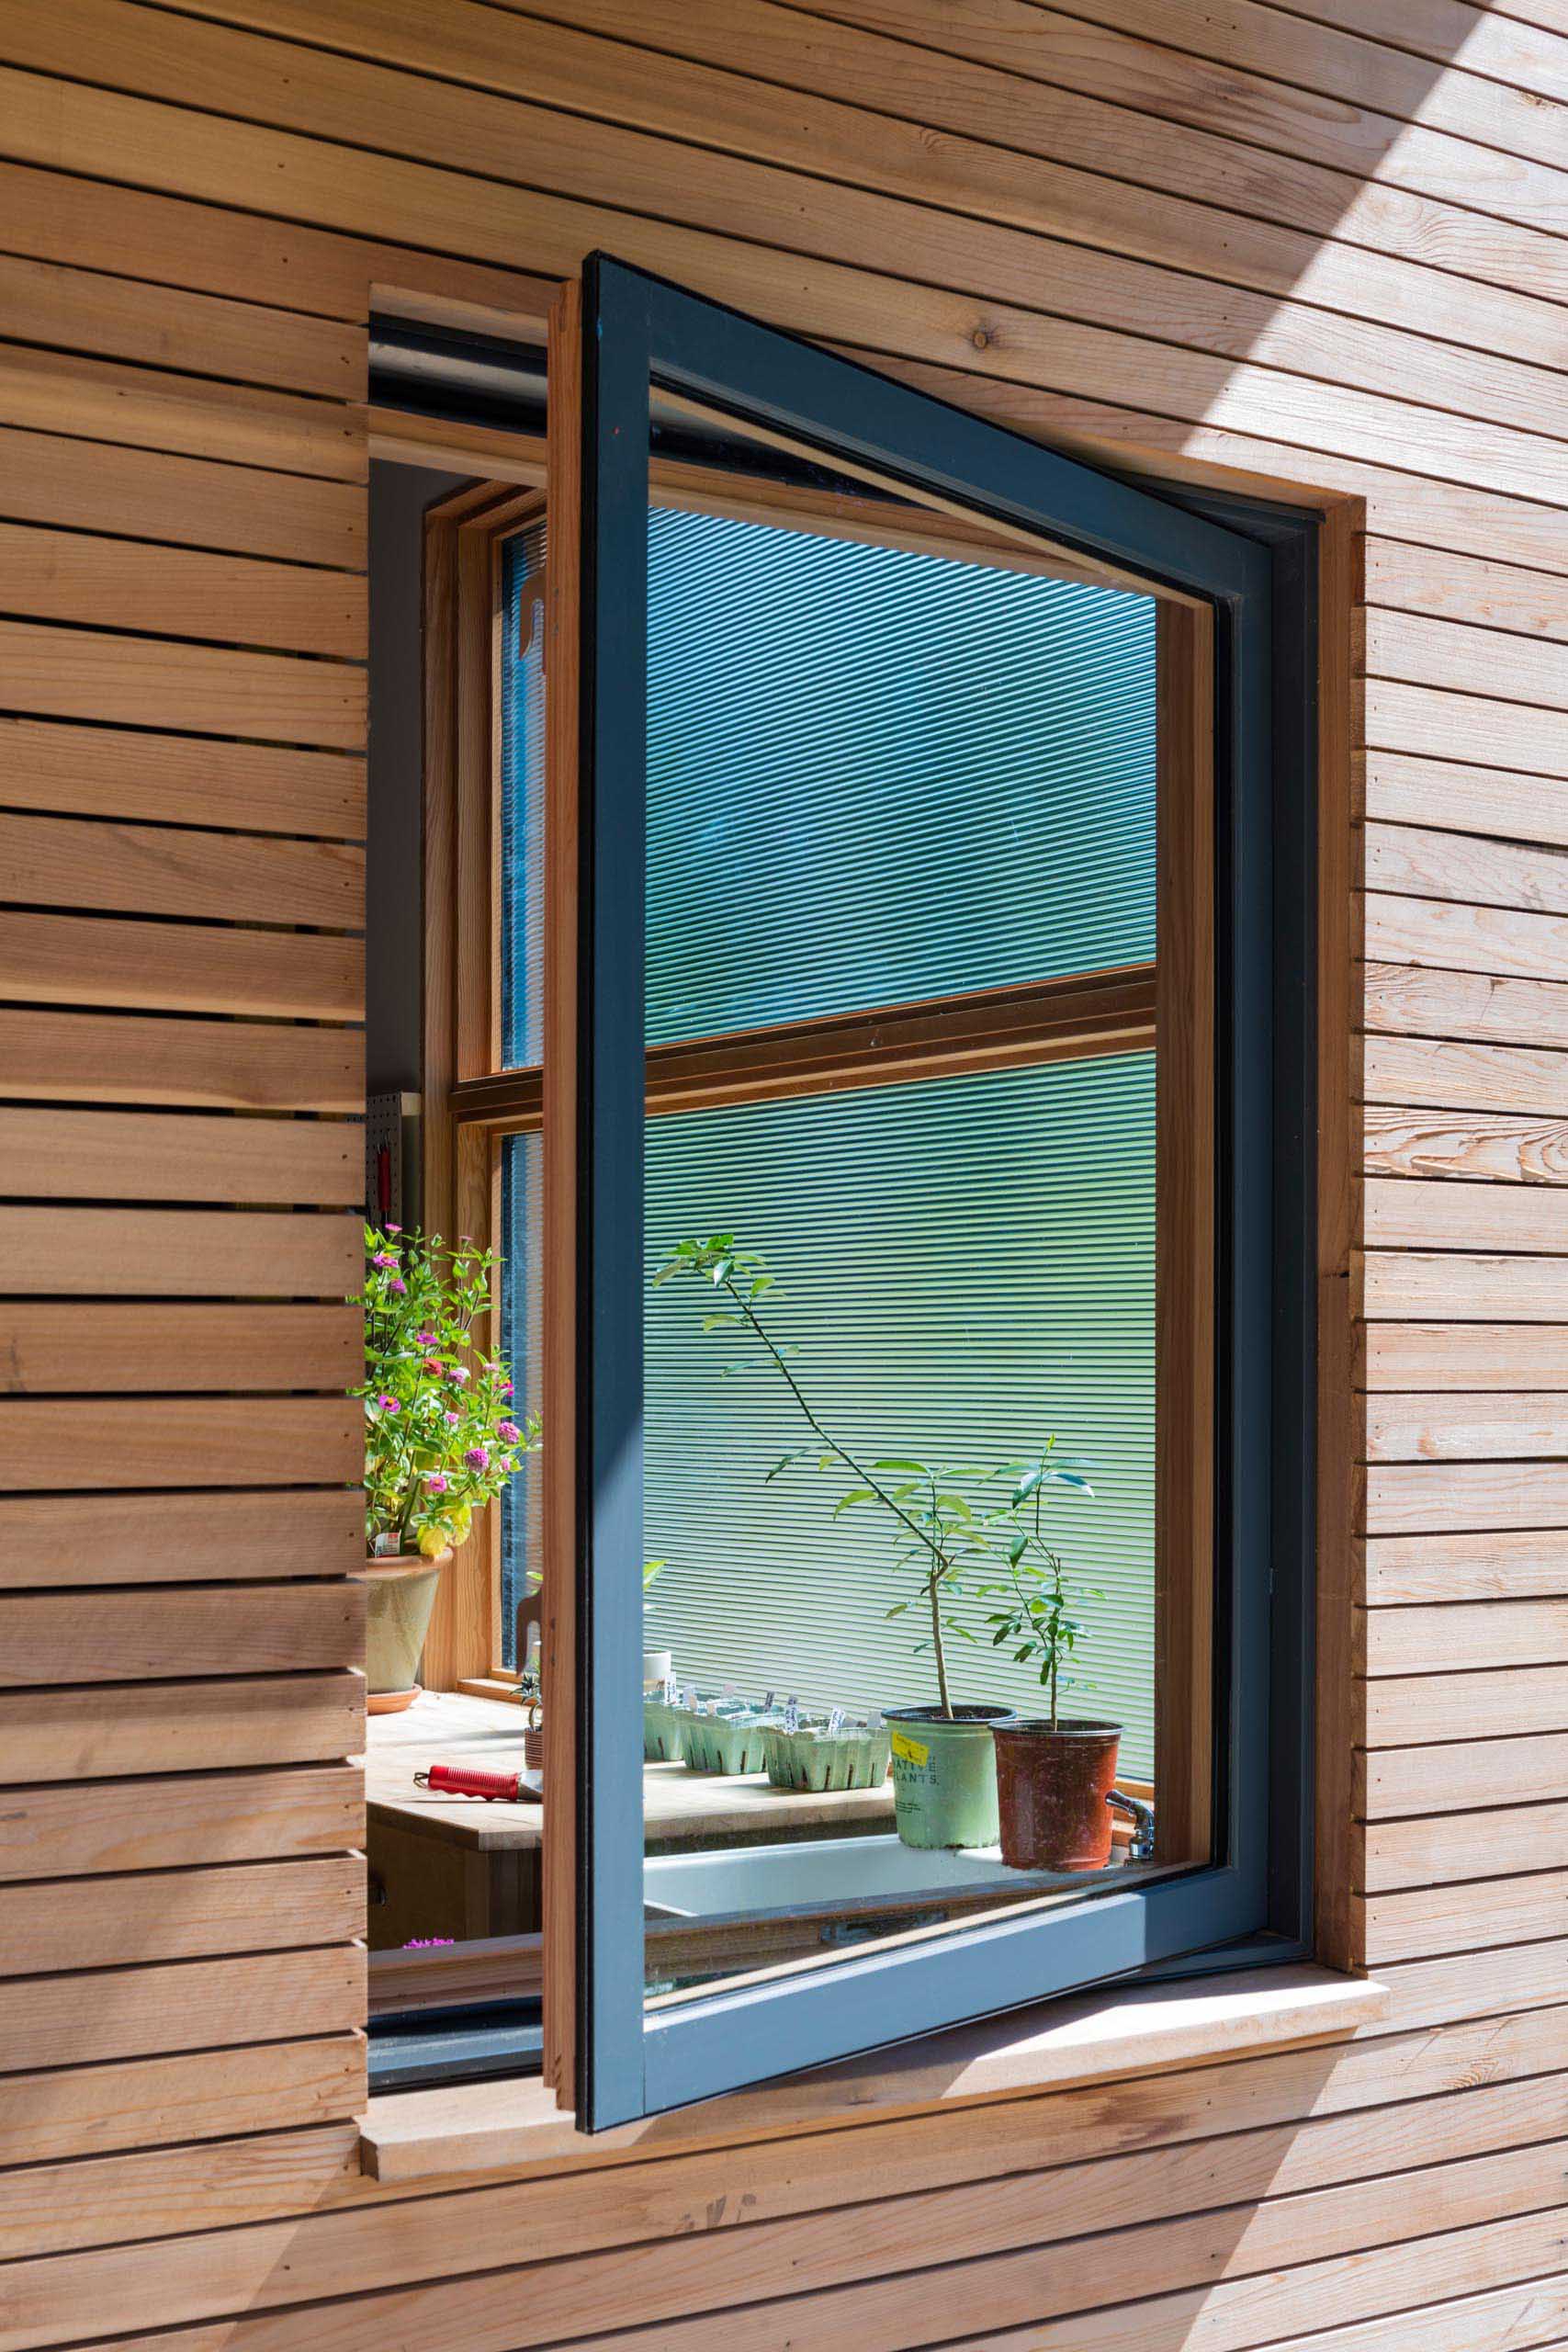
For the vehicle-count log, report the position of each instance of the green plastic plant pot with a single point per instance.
(816, 1760)
(944, 1775)
(663, 1732)
(720, 1743)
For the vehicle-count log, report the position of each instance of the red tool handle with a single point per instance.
(461, 1781)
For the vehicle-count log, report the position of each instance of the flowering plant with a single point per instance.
(441, 1436)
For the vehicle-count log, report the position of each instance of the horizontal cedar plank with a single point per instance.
(93, 2201)
(255, 788)
(91, 1539)
(147, 408)
(1421, 863)
(86, 311)
(1466, 588)
(178, 152)
(1496, 1428)
(1449, 1777)
(227, 1064)
(155, 1635)
(1432, 1214)
(1466, 1633)
(1407, 1710)
(1458, 1356)
(198, 1817)
(1421, 718)
(181, 591)
(1423, 650)
(170, 870)
(431, 122)
(71, 1442)
(761, 2185)
(1439, 1849)
(1514, 46)
(272, 2085)
(1465, 1077)
(1405, 790)
(1508, 1565)
(1238, 50)
(1517, 1979)
(1438, 1497)
(1021, 182)
(54, 1923)
(70, 1733)
(64, 1349)
(1472, 1917)
(1465, 1143)
(1038, 120)
(275, 2176)
(149, 682)
(171, 1155)
(179, 967)
(148, 494)
(1160, 447)
(1455, 948)
(217, 250)
(1325, 2304)
(1423, 1284)
(83, 2018)
(812, 2271)
(178, 1253)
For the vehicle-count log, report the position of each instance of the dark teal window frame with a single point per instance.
(642, 336)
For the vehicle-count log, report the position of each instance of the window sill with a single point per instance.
(1092, 2038)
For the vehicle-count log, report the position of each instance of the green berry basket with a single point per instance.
(664, 1731)
(728, 1744)
(816, 1759)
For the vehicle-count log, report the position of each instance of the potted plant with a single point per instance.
(440, 1438)
(944, 1769)
(1054, 1772)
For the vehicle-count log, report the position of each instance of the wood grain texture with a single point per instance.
(177, 1538)
(1319, 246)
(172, 1156)
(180, 1441)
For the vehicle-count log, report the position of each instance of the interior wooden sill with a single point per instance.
(1092, 2038)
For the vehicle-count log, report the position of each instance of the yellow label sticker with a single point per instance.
(910, 1749)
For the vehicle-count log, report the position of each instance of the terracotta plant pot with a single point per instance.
(400, 1593)
(944, 1775)
(1051, 1787)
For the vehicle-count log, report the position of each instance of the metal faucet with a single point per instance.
(1140, 1847)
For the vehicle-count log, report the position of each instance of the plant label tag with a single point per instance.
(671, 1690)
(689, 1696)
(836, 1722)
(874, 1719)
(792, 1715)
(767, 1702)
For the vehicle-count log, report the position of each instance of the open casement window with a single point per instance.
(911, 916)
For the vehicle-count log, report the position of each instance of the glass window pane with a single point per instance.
(522, 795)
(876, 775)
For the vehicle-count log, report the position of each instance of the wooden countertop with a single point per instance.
(679, 1807)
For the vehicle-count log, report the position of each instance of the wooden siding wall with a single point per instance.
(1327, 243)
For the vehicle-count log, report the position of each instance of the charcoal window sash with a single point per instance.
(641, 336)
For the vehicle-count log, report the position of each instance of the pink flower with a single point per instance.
(506, 1387)
(425, 1339)
(451, 1419)
(431, 1363)
(477, 1457)
(508, 1432)
(397, 1285)
(389, 1404)
(394, 1228)
(460, 1372)
(385, 1257)
(436, 1482)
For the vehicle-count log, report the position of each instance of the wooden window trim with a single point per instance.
(1167, 1004)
